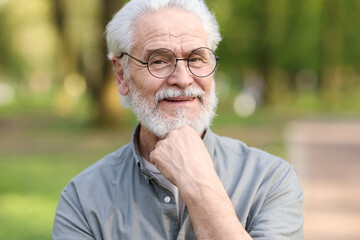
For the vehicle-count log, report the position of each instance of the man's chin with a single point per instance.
(161, 128)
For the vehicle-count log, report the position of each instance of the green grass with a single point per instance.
(26, 216)
(30, 185)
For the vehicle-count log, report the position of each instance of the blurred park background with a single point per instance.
(288, 83)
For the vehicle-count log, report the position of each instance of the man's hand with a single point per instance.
(184, 160)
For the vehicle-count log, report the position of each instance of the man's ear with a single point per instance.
(119, 74)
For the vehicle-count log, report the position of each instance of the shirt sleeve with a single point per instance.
(280, 216)
(70, 222)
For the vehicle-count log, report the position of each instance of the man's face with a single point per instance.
(180, 99)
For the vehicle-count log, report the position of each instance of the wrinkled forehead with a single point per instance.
(171, 28)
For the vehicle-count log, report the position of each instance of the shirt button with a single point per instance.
(167, 199)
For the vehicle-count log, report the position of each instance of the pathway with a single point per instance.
(326, 157)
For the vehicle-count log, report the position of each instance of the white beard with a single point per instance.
(161, 123)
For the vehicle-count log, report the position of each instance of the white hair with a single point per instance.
(120, 31)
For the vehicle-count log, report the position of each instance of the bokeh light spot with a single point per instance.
(244, 104)
(40, 82)
(74, 85)
(7, 94)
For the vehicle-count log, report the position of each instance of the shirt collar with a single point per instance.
(136, 152)
(209, 141)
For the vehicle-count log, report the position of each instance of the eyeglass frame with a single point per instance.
(177, 59)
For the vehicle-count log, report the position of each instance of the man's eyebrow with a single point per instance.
(148, 52)
(151, 50)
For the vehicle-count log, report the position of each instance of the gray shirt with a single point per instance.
(116, 198)
(180, 204)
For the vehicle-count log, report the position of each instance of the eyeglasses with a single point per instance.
(162, 62)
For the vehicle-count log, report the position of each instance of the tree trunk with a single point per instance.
(87, 55)
(100, 81)
(66, 62)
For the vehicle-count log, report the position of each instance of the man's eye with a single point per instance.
(158, 62)
(195, 59)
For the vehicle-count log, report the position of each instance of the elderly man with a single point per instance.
(176, 179)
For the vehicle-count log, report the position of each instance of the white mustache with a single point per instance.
(174, 92)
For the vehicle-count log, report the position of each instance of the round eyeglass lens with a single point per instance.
(162, 63)
(202, 62)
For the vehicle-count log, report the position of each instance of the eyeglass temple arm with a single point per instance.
(125, 53)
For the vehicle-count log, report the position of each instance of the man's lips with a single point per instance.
(179, 99)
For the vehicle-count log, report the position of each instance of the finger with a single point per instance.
(153, 157)
(159, 143)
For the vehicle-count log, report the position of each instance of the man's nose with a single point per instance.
(182, 76)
